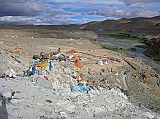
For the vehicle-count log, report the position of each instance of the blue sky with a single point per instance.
(74, 11)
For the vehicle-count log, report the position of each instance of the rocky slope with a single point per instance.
(153, 50)
(110, 75)
(34, 102)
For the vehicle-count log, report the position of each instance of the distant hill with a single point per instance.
(142, 26)
(49, 27)
(137, 26)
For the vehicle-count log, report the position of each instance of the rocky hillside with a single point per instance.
(140, 26)
(153, 50)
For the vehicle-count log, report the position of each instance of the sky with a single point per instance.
(47, 12)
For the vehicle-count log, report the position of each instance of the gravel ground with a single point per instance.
(33, 102)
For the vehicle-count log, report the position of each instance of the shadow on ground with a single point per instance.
(3, 110)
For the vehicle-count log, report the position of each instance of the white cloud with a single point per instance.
(127, 13)
(139, 1)
(83, 1)
(74, 11)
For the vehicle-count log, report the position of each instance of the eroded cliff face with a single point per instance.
(153, 50)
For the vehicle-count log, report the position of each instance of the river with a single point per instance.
(128, 47)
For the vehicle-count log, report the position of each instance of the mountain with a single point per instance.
(140, 26)
(136, 26)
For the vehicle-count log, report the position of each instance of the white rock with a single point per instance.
(100, 62)
(63, 114)
(149, 115)
(11, 73)
(1, 43)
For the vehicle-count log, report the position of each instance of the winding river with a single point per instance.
(128, 47)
